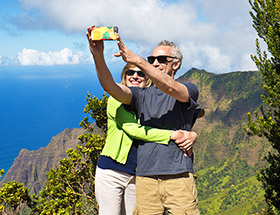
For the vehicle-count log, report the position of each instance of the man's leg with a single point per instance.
(181, 194)
(148, 197)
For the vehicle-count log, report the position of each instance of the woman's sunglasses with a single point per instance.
(131, 73)
(160, 59)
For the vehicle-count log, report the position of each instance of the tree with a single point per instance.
(266, 121)
(14, 197)
(70, 186)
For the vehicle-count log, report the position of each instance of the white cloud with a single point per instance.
(220, 30)
(216, 60)
(247, 64)
(205, 57)
(138, 19)
(33, 57)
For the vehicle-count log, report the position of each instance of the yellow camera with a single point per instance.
(104, 33)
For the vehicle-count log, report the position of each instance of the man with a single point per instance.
(164, 174)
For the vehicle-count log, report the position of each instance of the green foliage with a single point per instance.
(231, 95)
(201, 75)
(96, 108)
(218, 144)
(222, 176)
(70, 186)
(2, 172)
(266, 21)
(220, 155)
(238, 198)
(222, 181)
(93, 144)
(14, 197)
(218, 137)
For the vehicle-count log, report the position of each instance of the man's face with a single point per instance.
(169, 66)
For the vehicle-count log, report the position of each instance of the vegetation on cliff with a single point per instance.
(266, 122)
(225, 157)
(69, 188)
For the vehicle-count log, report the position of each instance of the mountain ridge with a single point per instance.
(31, 167)
(225, 156)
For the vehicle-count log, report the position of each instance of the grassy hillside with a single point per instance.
(243, 198)
(226, 158)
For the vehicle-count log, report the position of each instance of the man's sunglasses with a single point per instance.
(132, 72)
(160, 59)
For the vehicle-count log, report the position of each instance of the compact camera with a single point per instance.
(104, 33)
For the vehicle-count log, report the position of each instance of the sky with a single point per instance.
(215, 35)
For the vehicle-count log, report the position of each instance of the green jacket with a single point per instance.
(123, 127)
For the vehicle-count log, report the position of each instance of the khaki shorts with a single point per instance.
(175, 194)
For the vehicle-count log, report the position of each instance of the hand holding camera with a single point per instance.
(104, 33)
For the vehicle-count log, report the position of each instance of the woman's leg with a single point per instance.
(110, 188)
(130, 196)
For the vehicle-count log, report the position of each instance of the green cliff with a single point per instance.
(226, 159)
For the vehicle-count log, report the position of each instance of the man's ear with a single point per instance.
(176, 65)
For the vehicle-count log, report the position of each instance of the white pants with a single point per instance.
(115, 192)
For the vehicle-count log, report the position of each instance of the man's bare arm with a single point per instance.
(163, 81)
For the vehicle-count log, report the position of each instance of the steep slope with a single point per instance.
(226, 159)
(30, 167)
(227, 98)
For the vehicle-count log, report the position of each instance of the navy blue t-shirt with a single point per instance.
(159, 110)
(129, 167)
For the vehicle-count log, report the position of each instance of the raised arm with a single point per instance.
(118, 91)
(165, 82)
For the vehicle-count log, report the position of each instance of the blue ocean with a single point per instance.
(39, 102)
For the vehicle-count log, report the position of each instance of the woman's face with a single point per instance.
(135, 78)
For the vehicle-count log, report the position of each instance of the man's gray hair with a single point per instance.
(176, 51)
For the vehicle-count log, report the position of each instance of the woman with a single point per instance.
(115, 174)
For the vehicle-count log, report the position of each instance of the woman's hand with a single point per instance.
(96, 46)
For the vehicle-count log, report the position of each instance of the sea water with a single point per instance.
(37, 103)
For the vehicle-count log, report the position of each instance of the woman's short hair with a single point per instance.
(123, 75)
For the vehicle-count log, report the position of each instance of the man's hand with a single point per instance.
(185, 140)
(127, 55)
